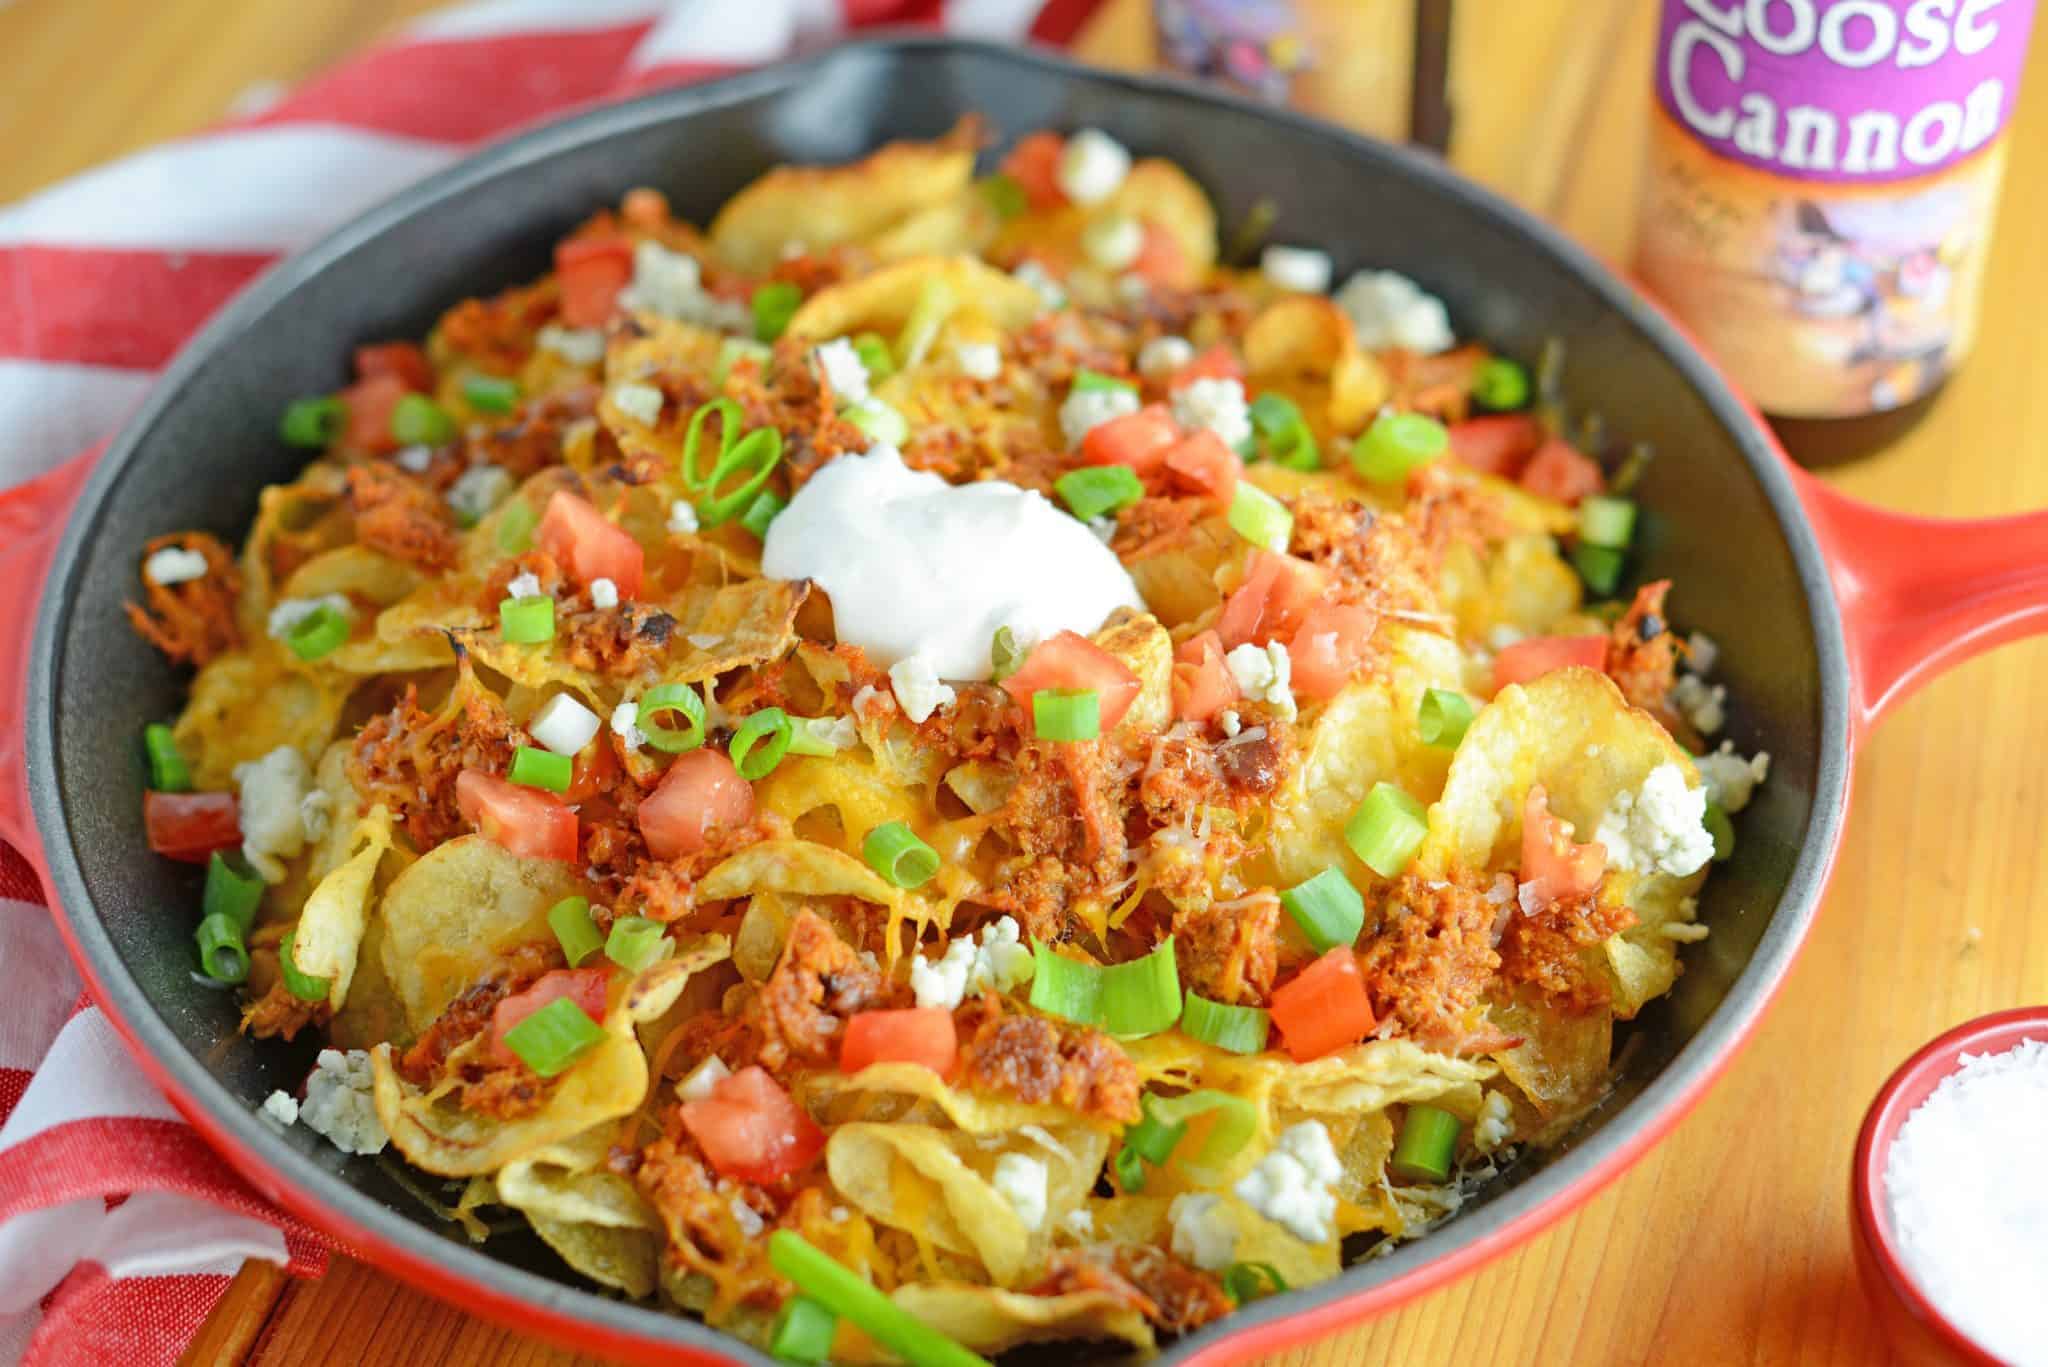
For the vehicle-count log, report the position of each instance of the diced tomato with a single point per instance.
(1073, 661)
(1034, 163)
(1324, 1008)
(591, 271)
(403, 359)
(530, 823)
(700, 796)
(917, 1034)
(1497, 445)
(1219, 362)
(1202, 682)
(1558, 471)
(1538, 655)
(1139, 440)
(369, 403)
(1553, 865)
(1160, 258)
(584, 986)
(191, 826)
(582, 541)
(1200, 463)
(1270, 605)
(1330, 648)
(750, 1129)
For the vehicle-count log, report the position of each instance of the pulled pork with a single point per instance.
(194, 622)
(818, 982)
(1642, 657)
(1037, 1060)
(1431, 957)
(400, 517)
(409, 760)
(1159, 1286)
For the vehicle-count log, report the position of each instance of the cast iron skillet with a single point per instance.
(1811, 654)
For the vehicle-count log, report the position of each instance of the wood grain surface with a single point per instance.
(1727, 1244)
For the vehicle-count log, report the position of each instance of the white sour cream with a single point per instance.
(916, 565)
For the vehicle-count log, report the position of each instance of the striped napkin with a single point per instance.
(119, 1228)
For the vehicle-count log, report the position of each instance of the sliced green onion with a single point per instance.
(1130, 1170)
(167, 770)
(1397, 443)
(803, 1332)
(490, 393)
(319, 633)
(1066, 714)
(575, 931)
(1501, 385)
(1088, 381)
(231, 893)
(894, 851)
(1442, 717)
(1063, 987)
(935, 304)
(527, 621)
(417, 420)
(732, 351)
(762, 511)
(680, 699)
(1005, 196)
(752, 457)
(1153, 1139)
(1428, 1142)
(1244, 1282)
(634, 943)
(1097, 490)
(813, 736)
(1141, 997)
(313, 423)
(1327, 908)
(844, 1293)
(1599, 566)
(542, 769)
(874, 354)
(1607, 521)
(760, 743)
(223, 955)
(1386, 830)
(303, 986)
(515, 527)
(774, 304)
(1237, 1120)
(882, 423)
(1260, 518)
(554, 1037)
(1283, 433)
(1718, 826)
(1234, 1029)
(1005, 656)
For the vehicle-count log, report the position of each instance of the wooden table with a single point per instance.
(1727, 1244)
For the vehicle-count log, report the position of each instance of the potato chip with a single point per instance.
(883, 300)
(815, 207)
(796, 867)
(1305, 344)
(1142, 646)
(627, 1260)
(988, 1319)
(330, 929)
(940, 1182)
(243, 706)
(454, 912)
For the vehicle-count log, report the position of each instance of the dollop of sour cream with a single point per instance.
(915, 565)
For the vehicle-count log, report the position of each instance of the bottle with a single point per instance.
(1818, 206)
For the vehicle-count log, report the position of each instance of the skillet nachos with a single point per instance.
(929, 766)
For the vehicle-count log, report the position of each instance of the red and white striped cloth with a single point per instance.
(119, 1229)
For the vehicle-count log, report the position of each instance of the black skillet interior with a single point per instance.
(1719, 519)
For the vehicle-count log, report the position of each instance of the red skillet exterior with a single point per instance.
(1960, 590)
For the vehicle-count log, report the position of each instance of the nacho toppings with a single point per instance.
(926, 760)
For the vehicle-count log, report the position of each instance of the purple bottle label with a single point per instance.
(1842, 90)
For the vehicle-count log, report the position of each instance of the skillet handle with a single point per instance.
(32, 518)
(1920, 595)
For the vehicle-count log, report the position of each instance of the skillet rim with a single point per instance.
(1570, 1178)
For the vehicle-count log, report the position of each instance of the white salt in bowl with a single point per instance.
(1919, 1332)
